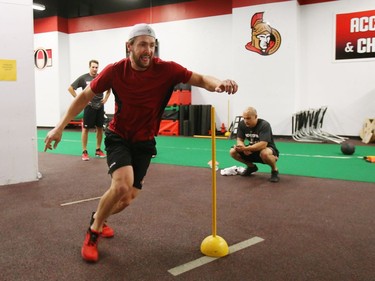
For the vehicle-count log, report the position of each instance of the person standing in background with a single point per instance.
(93, 115)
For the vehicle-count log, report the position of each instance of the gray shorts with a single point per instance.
(121, 152)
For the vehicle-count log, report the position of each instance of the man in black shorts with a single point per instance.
(261, 147)
(93, 114)
(142, 84)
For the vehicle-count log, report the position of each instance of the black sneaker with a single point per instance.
(274, 176)
(249, 171)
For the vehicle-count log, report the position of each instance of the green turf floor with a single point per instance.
(296, 158)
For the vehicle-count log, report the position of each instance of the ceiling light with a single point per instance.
(39, 7)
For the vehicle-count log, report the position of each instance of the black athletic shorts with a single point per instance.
(254, 157)
(93, 117)
(121, 152)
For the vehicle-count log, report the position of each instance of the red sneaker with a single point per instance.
(89, 249)
(99, 153)
(85, 156)
(107, 231)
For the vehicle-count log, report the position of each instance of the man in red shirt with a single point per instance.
(142, 85)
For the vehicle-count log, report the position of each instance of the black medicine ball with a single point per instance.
(347, 148)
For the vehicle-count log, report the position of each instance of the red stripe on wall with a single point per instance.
(63, 24)
(245, 3)
(306, 2)
(108, 21)
(166, 13)
(45, 25)
(191, 10)
(51, 24)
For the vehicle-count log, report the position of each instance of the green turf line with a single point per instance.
(296, 158)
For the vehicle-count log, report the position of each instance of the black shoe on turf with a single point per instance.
(274, 176)
(249, 170)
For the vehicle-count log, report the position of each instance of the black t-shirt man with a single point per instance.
(255, 144)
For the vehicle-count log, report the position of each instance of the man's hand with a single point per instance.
(239, 147)
(228, 86)
(243, 149)
(213, 84)
(53, 136)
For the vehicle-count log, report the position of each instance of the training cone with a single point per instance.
(214, 246)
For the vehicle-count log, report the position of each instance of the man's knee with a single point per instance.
(128, 198)
(233, 153)
(121, 186)
(267, 156)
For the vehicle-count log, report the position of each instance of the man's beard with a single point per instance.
(140, 63)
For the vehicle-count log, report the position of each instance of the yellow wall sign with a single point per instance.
(8, 70)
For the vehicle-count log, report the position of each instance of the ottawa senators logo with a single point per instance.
(265, 40)
(42, 58)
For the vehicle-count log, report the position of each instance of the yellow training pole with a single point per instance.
(213, 169)
(228, 115)
(214, 245)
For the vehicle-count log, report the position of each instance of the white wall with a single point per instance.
(18, 147)
(63, 74)
(302, 74)
(267, 82)
(346, 88)
(47, 82)
(51, 83)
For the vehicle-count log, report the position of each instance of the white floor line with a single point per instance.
(225, 150)
(320, 156)
(204, 260)
(79, 201)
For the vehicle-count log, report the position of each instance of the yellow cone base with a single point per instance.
(214, 246)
